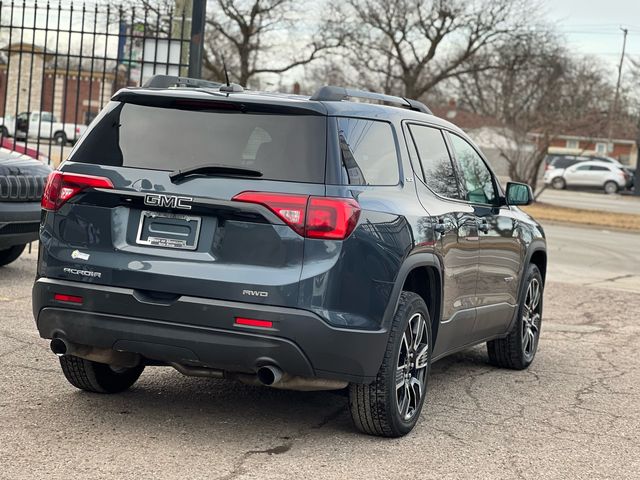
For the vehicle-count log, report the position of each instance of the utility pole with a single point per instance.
(196, 46)
(614, 109)
(181, 30)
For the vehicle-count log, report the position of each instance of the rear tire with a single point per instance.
(611, 187)
(60, 138)
(518, 349)
(559, 183)
(98, 377)
(10, 254)
(391, 405)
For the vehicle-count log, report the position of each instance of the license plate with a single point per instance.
(168, 230)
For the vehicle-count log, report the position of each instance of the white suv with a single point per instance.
(593, 174)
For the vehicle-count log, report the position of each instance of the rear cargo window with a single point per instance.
(285, 147)
(368, 149)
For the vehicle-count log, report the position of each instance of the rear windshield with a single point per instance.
(287, 147)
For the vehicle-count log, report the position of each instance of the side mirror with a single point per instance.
(519, 194)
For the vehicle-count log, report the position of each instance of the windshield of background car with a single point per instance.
(289, 147)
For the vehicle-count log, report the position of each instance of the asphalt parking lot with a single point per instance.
(574, 414)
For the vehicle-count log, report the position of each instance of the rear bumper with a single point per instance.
(19, 223)
(202, 332)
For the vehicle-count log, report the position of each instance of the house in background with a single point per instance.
(590, 138)
(585, 138)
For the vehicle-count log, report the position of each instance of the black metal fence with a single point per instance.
(60, 64)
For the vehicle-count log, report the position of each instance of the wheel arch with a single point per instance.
(420, 274)
(539, 259)
(537, 255)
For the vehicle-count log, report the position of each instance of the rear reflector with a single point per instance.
(61, 187)
(328, 218)
(251, 322)
(61, 297)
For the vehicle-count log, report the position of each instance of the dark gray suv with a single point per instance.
(295, 242)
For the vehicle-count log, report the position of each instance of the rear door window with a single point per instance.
(437, 166)
(565, 162)
(368, 151)
(289, 147)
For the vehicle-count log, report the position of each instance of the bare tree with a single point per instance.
(410, 46)
(536, 91)
(246, 32)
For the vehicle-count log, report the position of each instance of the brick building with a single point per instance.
(33, 79)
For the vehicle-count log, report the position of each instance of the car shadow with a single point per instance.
(165, 403)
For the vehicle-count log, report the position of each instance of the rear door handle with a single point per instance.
(483, 225)
(442, 227)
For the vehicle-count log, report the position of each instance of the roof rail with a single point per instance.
(335, 94)
(167, 81)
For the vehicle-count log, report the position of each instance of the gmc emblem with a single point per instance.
(168, 201)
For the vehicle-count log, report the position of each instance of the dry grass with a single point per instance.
(623, 221)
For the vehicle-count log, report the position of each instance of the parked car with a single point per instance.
(294, 242)
(10, 144)
(22, 181)
(591, 174)
(564, 161)
(43, 125)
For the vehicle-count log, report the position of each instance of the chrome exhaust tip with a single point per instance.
(269, 375)
(59, 347)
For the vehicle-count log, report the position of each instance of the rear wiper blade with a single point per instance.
(214, 171)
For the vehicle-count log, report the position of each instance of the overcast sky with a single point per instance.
(593, 26)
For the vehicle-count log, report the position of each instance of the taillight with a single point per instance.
(290, 208)
(61, 187)
(314, 217)
(331, 218)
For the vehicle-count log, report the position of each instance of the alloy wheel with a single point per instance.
(411, 370)
(531, 318)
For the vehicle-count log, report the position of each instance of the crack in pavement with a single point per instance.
(240, 468)
(610, 280)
